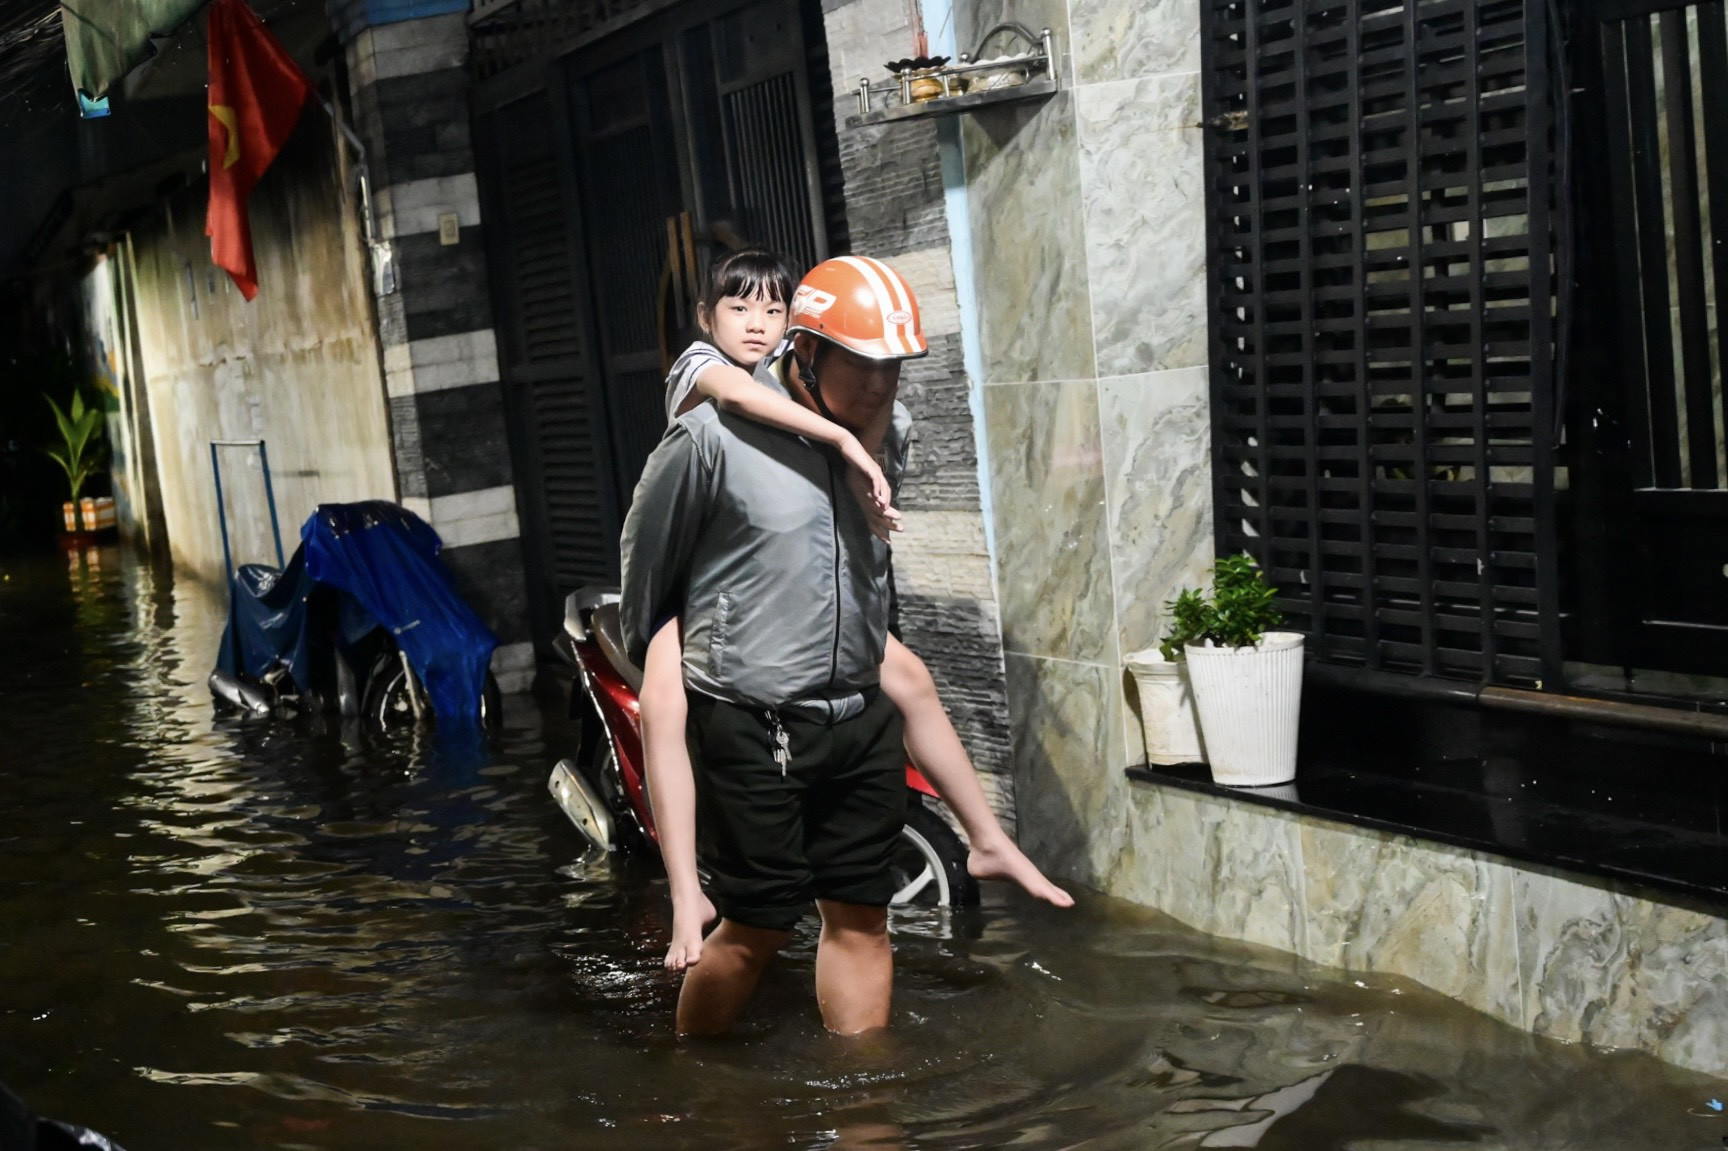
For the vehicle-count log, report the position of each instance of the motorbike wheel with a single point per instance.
(929, 864)
(387, 704)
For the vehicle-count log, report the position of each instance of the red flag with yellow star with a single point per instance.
(256, 93)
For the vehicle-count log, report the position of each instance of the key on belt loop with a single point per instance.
(782, 752)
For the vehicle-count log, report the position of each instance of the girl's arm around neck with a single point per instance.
(735, 391)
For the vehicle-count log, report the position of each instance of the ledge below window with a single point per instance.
(1642, 808)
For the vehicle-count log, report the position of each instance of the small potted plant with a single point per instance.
(78, 450)
(1167, 717)
(1247, 677)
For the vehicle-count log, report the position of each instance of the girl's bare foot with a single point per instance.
(1003, 859)
(689, 917)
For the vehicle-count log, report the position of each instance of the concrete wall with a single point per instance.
(112, 367)
(298, 366)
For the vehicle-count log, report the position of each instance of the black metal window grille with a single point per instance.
(505, 34)
(1666, 85)
(1381, 288)
(772, 188)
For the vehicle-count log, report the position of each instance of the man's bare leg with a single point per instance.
(854, 967)
(936, 748)
(716, 991)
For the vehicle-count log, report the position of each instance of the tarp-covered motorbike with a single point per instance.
(363, 621)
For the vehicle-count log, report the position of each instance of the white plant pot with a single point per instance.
(1250, 700)
(1167, 716)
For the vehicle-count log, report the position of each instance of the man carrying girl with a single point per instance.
(756, 598)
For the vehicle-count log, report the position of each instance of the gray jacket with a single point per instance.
(751, 535)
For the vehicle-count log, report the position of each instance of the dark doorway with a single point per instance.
(693, 135)
(1647, 411)
(616, 168)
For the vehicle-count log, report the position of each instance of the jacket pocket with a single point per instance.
(718, 634)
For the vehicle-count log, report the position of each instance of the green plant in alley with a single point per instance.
(81, 440)
(1239, 611)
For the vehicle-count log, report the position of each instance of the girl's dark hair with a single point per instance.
(748, 273)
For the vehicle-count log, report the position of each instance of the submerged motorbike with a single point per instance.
(362, 621)
(604, 791)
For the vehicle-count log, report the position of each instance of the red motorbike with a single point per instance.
(604, 792)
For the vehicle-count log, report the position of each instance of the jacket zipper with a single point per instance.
(834, 526)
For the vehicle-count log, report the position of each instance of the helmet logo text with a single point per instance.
(812, 301)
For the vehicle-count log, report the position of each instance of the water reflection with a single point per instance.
(232, 933)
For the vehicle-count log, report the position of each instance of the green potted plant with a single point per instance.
(79, 449)
(1247, 677)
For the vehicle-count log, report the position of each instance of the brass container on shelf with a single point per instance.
(932, 85)
(920, 78)
(924, 86)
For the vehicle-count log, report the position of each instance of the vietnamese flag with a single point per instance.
(256, 93)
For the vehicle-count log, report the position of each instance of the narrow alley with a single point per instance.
(274, 933)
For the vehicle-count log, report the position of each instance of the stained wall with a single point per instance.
(298, 366)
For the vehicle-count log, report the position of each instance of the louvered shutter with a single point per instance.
(1381, 246)
(562, 483)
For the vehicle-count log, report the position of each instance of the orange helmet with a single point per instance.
(861, 304)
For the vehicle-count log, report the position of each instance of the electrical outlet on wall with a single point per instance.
(449, 229)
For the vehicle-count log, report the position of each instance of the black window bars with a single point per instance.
(1382, 278)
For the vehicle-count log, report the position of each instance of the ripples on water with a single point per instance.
(221, 933)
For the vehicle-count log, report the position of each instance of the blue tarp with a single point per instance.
(382, 562)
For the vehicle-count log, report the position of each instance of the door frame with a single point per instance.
(1613, 510)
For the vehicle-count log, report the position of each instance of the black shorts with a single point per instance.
(826, 828)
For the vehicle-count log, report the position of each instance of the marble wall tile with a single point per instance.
(1437, 914)
(1028, 241)
(1143, 191)
(1234, 871)
(1560, 957)
(1052, 554)
(1068, 779)
(1607, 968)
(1156, 432)
(1141, 871)
(1126, 39)
(1573, 951)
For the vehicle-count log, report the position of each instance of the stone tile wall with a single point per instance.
(1559, 955)
(1088, 268)
(1088, 245)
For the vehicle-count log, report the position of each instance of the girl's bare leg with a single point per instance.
(936, 748)
(672, 791)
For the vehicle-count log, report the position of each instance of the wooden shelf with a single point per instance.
(954, 105)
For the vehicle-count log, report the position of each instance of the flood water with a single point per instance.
(223, 933)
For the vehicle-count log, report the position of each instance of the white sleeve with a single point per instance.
(681, 380)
